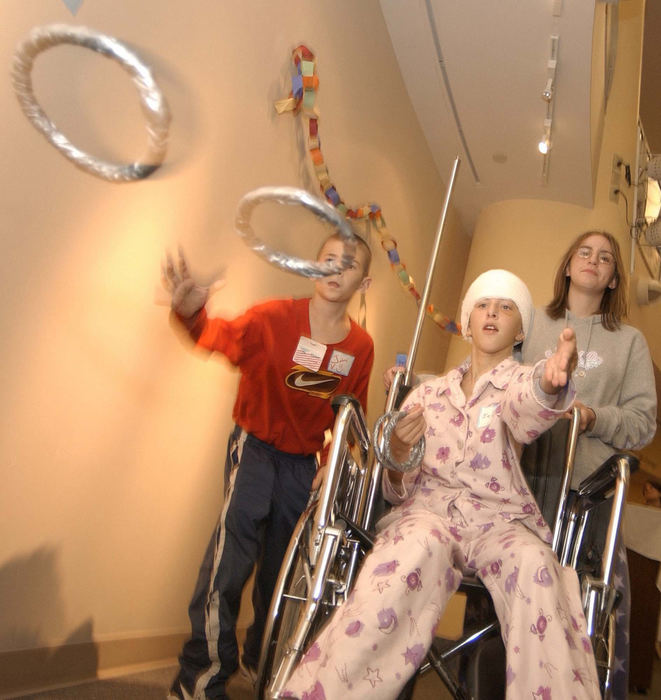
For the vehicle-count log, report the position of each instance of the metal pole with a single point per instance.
(422, 309)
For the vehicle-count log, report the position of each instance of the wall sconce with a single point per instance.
(653, 233)
(645, 223)
(647, 291)
(654, 168)
(651, 220)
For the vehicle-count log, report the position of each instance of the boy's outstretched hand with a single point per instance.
(187, 296)
(558, 368)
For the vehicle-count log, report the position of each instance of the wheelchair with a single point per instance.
(333, 536)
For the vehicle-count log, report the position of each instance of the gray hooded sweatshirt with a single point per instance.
(614, 377)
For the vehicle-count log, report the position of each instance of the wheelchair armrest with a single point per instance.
(603, 478)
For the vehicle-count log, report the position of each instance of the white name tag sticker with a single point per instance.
(309, 353)
(485, 416)
(340, 363)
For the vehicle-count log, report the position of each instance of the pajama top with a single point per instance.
(471, 460)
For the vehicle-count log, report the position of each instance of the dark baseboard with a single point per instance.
(31, 670)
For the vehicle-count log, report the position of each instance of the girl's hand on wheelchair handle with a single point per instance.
(588, 416)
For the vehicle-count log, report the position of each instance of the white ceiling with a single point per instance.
(475, 71)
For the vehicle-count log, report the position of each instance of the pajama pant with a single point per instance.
(375, 642)
(266, 491)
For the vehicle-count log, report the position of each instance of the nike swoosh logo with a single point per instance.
(300, 381)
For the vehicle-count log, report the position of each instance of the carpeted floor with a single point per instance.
(154, 684)
(147, 685)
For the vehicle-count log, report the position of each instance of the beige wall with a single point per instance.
(113, 431)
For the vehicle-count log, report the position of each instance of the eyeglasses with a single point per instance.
(603, 256)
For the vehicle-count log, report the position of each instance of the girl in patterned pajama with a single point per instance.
(466, 508)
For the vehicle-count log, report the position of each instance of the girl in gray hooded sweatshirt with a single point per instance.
(614, 378)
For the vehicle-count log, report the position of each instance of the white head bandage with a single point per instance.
(498, 284)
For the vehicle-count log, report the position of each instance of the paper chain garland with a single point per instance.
(302, 100)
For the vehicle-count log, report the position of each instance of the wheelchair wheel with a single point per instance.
(288, 606)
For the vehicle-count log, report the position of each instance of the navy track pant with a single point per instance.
(266, 490)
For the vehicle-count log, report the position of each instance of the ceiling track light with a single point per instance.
(544, 145)
(548, 93)
(551, 65)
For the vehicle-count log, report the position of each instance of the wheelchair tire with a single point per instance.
(287, 606)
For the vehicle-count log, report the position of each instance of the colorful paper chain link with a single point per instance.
(302, 100)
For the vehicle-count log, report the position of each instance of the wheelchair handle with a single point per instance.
(343, 400)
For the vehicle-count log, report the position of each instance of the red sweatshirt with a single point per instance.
(282, 400)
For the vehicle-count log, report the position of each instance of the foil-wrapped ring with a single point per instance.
(383, 428)
(152, 101)
(291, 263)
